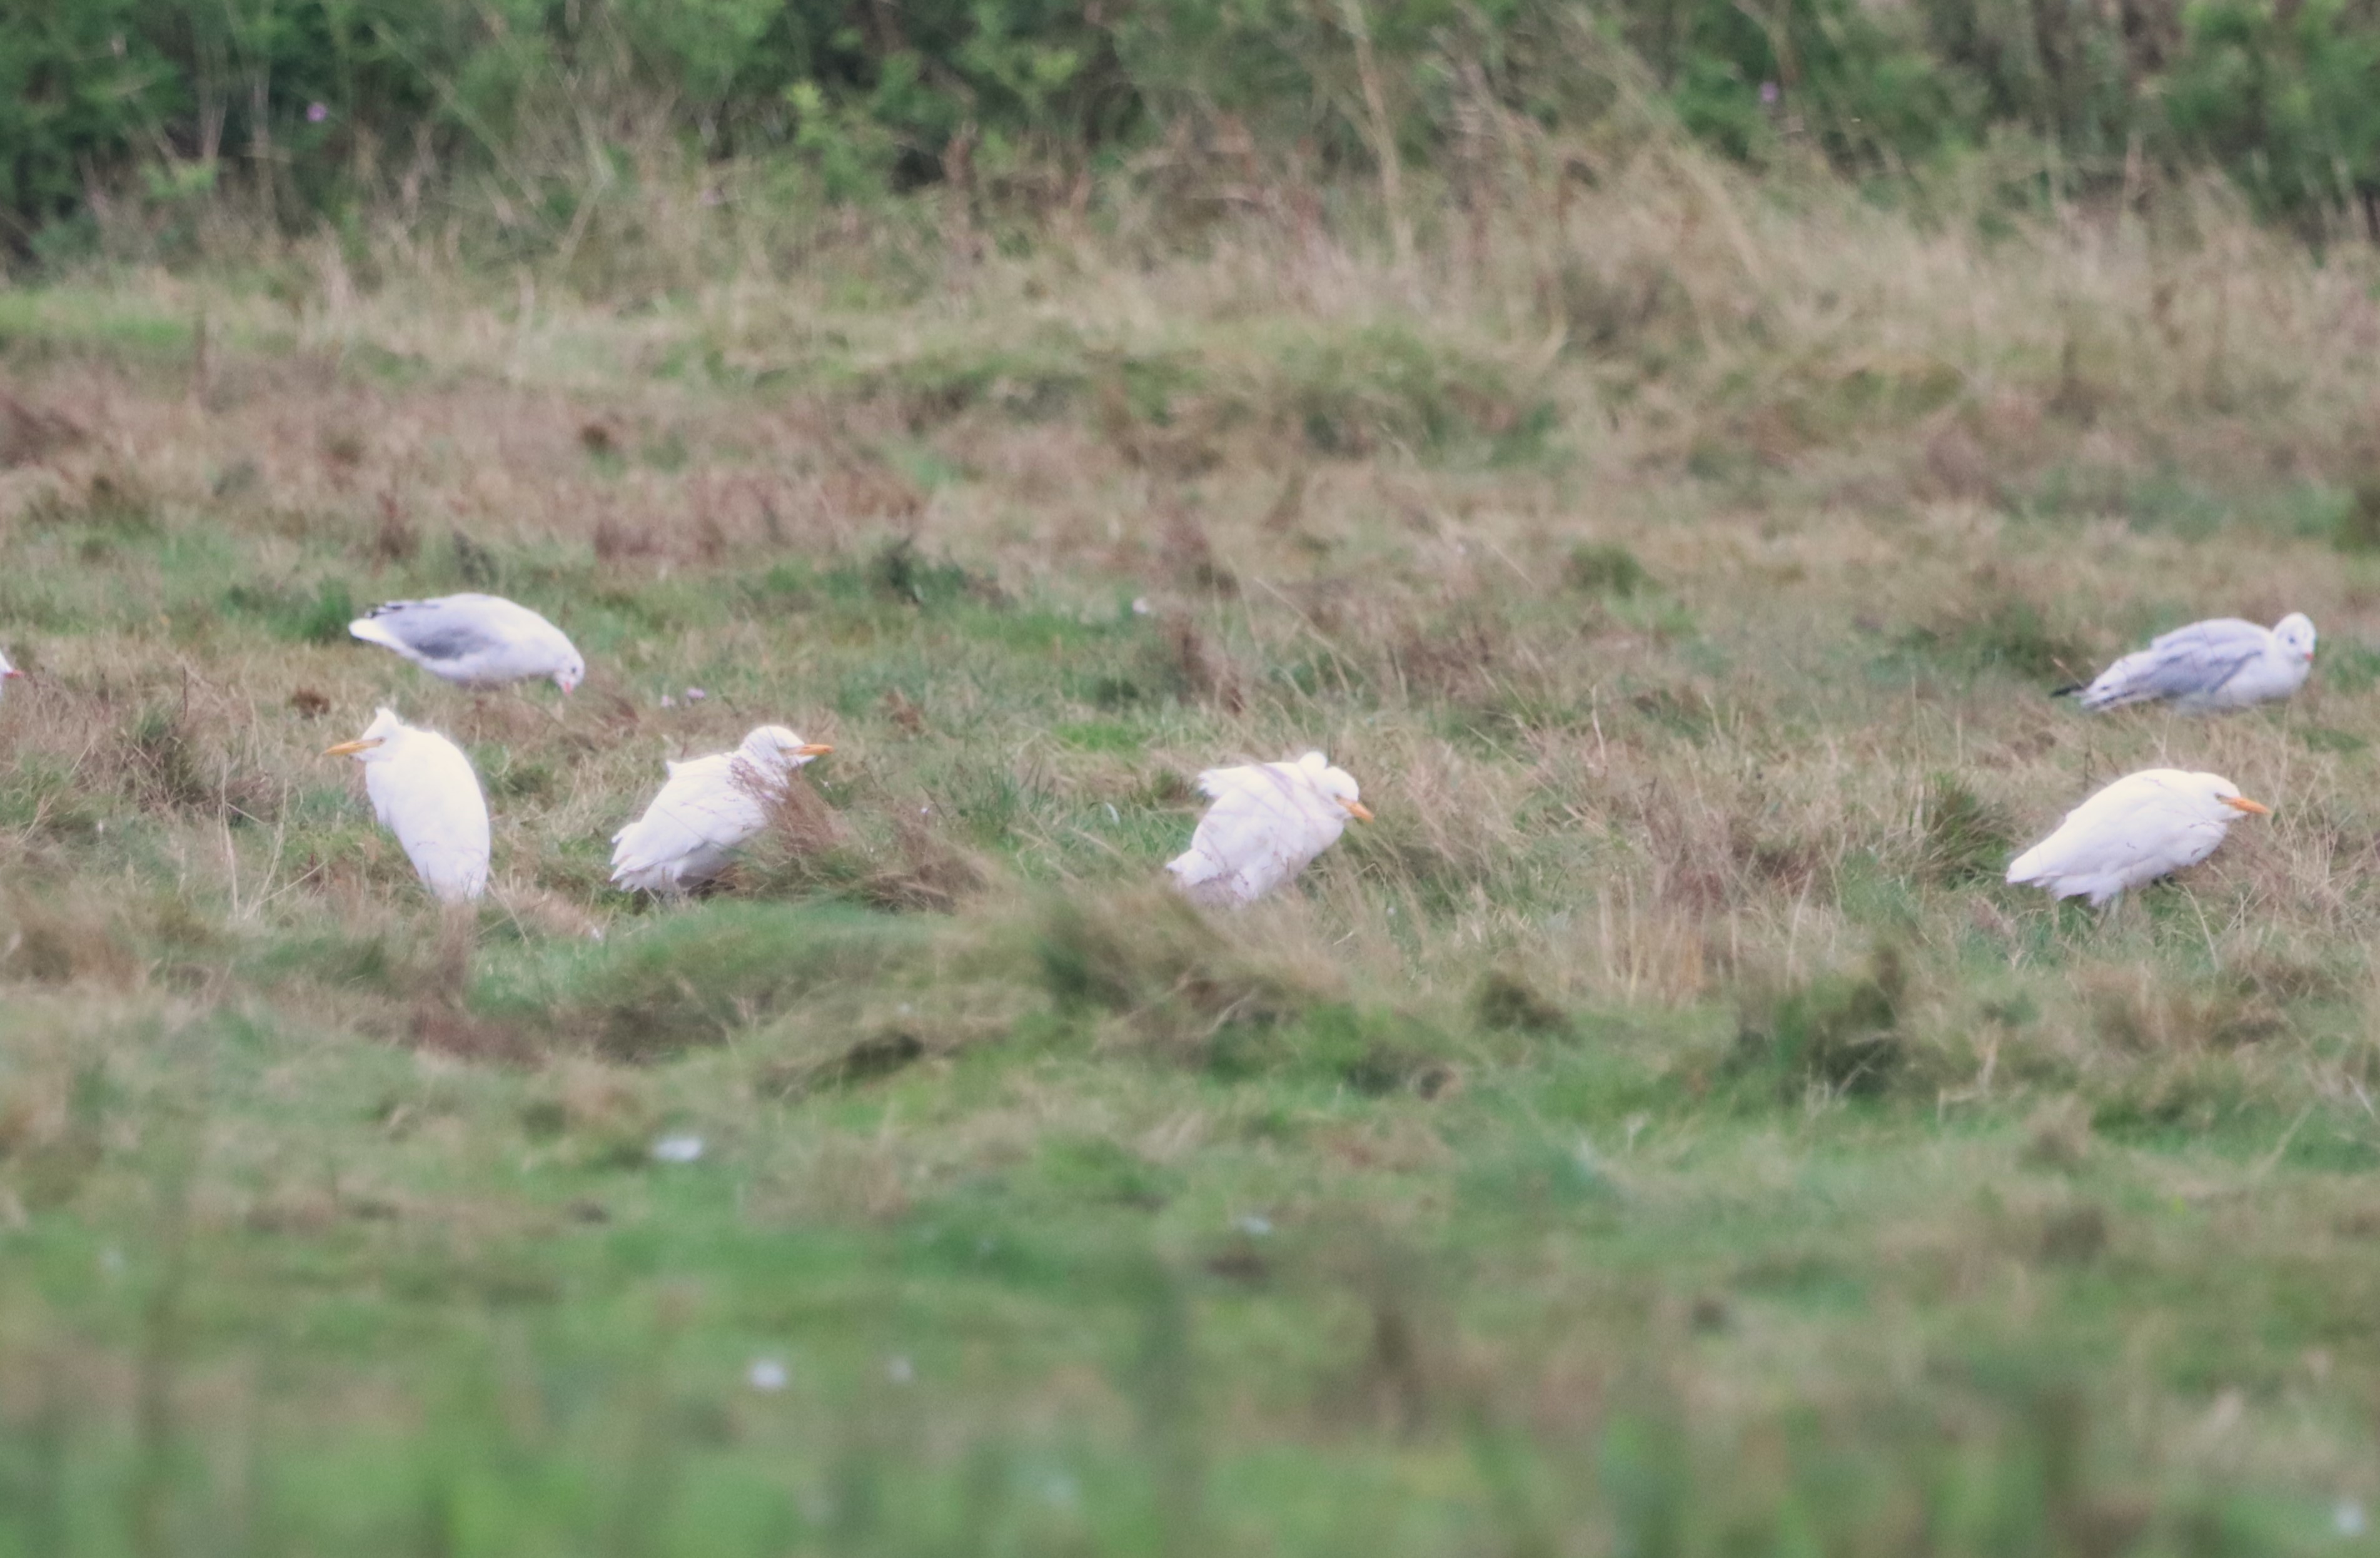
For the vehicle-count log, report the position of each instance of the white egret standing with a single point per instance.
(2220, 664)
(474, 640)
(707, 809)
(423, 790)
(2136, 830)
(1267, 821)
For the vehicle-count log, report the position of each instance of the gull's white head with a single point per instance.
(774, 747)
(2295, 634)
(373, 745)
(571, 672)
(1335, 782)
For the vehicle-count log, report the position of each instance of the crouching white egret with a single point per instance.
(2138, 829)
(423, 790)
(474, 640)
(2207, 666)
(1269, 820)
(708, 808)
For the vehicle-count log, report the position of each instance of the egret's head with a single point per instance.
(373, 744)
(1336, 783)
(572, 672)
(2295, 634)
(774, 747)
(2226, 798)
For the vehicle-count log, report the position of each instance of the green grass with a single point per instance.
(1661, 1132)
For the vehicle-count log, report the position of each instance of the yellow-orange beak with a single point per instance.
(349, 749)
(814, 749)
(2244, 804)
(1357, 809)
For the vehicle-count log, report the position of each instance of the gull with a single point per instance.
(1267, 821)
(2136, 830)
(2220, 664)
(707, 809)
(423, 790)
(474, 640)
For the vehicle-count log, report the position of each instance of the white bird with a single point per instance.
(474, 640)
(708, 808)
(1269, 820)
(2220, 664)
(8, 673)
(423, 790)
(2136, 830)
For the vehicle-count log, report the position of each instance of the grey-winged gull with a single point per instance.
(474, 640)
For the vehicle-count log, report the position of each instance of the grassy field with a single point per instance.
(1660, 1133)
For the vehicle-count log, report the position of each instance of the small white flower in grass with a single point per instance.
(1140, 606)
(1254, 1224)
(695, 695)
(766, 1374)
(316, 113)
(681, 1147)
(2346, 1517)
(668, 702)
(899, 1370)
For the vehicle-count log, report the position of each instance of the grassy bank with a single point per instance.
(1659, 1133)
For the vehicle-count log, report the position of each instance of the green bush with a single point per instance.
(319, 106)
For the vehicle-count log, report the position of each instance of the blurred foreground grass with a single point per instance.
(1660, 1133)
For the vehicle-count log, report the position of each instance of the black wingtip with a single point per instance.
(2068, 691)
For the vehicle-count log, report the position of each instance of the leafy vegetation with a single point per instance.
(535, 116)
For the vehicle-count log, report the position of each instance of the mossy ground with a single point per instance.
(1660, 1133)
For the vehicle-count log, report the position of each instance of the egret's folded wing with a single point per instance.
(708, 803)
(440, 816)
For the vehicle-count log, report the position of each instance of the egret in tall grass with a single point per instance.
(424, 791)
(2208, 666)
(474, 640)
(2142, 827)
(1269, 820)
(706, 809)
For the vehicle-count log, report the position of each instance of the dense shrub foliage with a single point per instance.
(322, 106)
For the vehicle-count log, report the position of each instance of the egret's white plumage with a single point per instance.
(2136, 830)
(1267, 821)
(8, 672)
(424, 791)
(2220, 664)
(708, 807)
(474, 640)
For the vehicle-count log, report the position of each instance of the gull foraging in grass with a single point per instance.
(2220, 664)
(474, 640)
(423, 790)
(1269, 820)
(708, 808)
(2136, 830)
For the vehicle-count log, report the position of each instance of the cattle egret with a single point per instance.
(1268, 819)
(474, 640)
(708, 808)
(2207, 666)
(423, 791)
(2136, 830)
